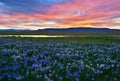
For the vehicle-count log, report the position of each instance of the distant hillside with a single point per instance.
(63, 31)
(82, 30)
(14, 30)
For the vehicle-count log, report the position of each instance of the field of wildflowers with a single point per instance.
(59, 59)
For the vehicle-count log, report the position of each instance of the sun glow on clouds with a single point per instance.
(20, 14)
(117, 20)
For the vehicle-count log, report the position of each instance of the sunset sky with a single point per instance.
(40, 14)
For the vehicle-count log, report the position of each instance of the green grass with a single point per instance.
(65, 39)
(61, 33)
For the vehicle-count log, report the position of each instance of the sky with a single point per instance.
(41, 14)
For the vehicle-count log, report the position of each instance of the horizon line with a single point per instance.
(58, 28)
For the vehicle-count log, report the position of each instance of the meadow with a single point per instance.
(60, 59)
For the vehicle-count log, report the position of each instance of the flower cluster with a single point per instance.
(28, 60)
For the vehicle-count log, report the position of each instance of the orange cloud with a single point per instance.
(73, 13)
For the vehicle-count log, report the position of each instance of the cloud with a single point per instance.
(31, 6)
(65, 13)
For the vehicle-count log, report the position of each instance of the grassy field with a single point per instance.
(60, 59)
(60, 33)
